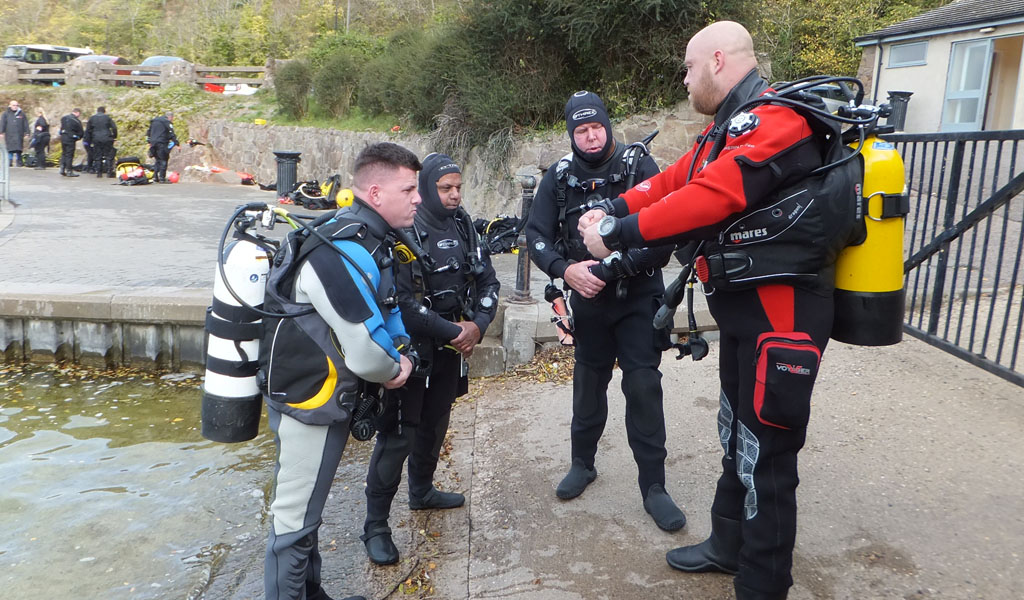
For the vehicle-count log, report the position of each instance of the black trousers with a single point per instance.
(40, 156)
(609, 329)
(772, 339)
(413, 426)
(160, 153)
(103, 157)
(67, 157)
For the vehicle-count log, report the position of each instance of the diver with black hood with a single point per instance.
(448, 295)
(613, 305)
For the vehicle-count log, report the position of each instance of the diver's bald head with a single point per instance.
(717, 58)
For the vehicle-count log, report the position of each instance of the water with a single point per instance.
(108, 490)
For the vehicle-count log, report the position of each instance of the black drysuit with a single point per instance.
(607, 327)
(463, 287)
(70, 132)
(159, 137)
(101, 132)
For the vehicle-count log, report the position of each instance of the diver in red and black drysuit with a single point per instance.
(773, 328)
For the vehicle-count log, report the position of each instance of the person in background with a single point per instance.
(40, 138)
(101, 132)
(13, 128)
(161, 140)
(70, 132)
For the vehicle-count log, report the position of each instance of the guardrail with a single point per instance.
(965, 245)
(42, 73)
(144, 75)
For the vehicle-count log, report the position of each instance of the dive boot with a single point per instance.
(576, 480)
(380, 548)
(663, 509)
(719, 553)
(435, 498)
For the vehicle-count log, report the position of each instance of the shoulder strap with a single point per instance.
(562, 175)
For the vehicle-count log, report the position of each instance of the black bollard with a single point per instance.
(287, 171)
(521, 295)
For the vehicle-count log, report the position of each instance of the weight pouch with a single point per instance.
(786, 364)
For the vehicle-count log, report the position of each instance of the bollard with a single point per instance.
(287, 171)
(521, 294)
(898, 101)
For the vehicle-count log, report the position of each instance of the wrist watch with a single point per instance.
(608, 228)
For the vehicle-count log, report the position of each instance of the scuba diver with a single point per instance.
(448, 293)
(612, 304)
(161, 139)
(321, 366)
(772, 301)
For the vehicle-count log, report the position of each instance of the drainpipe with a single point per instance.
(878, 73)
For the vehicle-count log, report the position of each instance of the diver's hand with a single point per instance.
(404, 370)
(579, 278)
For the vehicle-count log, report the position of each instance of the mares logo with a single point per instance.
(644, 186)
(447, 244)
(583, 113)
(794, 369)
(752, 234)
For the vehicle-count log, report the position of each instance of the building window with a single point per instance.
(908, 55)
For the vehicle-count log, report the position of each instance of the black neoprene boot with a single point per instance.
(576, 480)
(435, 498)
(719, 553)
(745, 593)
(380, 548)
(663, 509)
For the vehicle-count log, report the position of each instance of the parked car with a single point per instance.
(154, 61)
(44, 54)
(107, 59)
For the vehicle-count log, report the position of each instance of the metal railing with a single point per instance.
(144, 75)
(963, 270)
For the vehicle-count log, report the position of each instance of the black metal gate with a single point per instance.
(963, 245)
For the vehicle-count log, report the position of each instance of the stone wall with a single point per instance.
(249, 148)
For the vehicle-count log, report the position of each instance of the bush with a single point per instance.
(292, 82)
(336, 80)
(408, 80)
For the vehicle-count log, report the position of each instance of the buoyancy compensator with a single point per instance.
(826, 219)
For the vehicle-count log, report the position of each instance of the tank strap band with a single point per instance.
(235, 314)
(238, 332)
(893, 205)
(232, 368)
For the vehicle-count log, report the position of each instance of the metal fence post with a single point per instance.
(521, 295)
(949, 218)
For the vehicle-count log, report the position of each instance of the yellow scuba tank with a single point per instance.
(869, 295)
